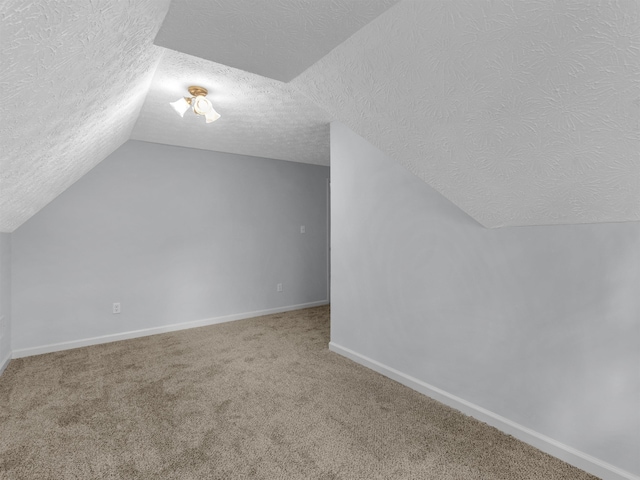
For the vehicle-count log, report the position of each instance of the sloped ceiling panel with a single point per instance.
(521, 113)
(278, 39)
(259, 116)
(73, 77)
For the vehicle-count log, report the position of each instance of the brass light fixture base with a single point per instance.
(198, 91)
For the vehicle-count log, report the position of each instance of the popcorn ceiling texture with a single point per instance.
(521, 113)
(73, 78)
(259, 116)
(277, 38)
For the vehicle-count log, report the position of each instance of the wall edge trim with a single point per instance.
(4, 363)
(115, 337)
(568, 454)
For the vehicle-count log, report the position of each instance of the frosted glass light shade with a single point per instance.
(180, 106)
(201, 105)
(211, 116)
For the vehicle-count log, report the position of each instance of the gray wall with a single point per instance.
(5, 297)
(538, 324)
(173, 234)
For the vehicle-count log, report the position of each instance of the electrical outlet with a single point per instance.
(303, 229)
(279, 287)
(116, 308)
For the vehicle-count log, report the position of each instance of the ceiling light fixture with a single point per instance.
(198, 102)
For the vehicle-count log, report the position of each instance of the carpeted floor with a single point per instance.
(261, 398)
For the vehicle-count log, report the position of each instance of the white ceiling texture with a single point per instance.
(520, 112)
(275, 39)
(73, 76)
(259, 116)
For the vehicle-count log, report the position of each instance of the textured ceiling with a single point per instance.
(259, 116)
(278, 39)
(521, 113)
(73, 76)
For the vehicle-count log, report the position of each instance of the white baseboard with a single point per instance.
(548, 445)
(4, 363)
(85, 342)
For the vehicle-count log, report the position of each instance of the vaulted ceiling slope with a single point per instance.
(277, 39)
(73, 77)
(521, 113)
(243, 52)
(80, 78)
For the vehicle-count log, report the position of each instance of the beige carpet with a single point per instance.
(260, 398)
